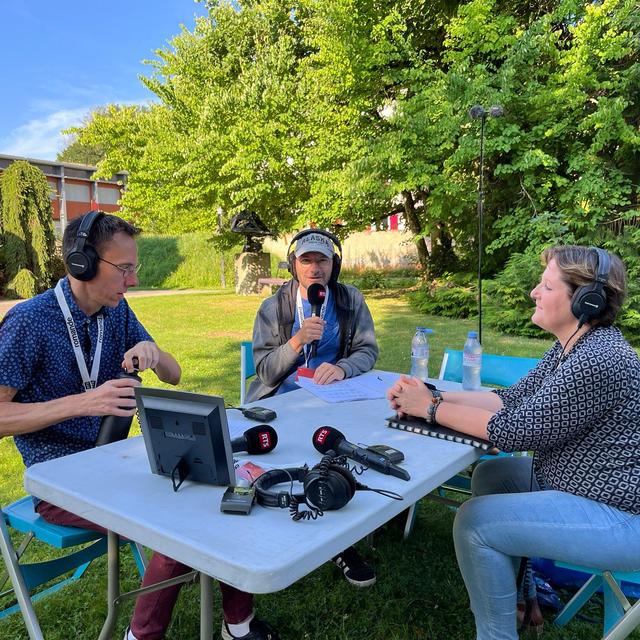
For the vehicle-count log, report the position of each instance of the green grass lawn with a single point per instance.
(419, 593)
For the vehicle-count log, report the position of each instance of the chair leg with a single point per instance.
(19, 586)
(139, 556)
(615, 602)
(624, 627)
(579, 600)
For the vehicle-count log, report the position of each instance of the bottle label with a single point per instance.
(471, 359)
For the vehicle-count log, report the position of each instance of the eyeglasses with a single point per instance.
(125, 269)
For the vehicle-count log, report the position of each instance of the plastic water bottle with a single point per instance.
(471, 362)
(420, 353)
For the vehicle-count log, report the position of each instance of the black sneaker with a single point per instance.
(258, 630)
(355, 569)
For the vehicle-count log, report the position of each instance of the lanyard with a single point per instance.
(88, 382)
(300, 311)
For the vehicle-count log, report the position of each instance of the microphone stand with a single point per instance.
(478, 111)
(480, 207)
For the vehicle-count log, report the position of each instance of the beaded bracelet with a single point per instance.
(433, 407)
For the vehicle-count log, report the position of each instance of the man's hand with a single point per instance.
(112, 398)
(310, 330)
(410, 396)
(326, 373)
(147, 353)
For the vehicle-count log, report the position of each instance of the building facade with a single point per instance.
(73, 191)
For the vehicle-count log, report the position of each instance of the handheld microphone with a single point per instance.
(316, 294)
(257, 440)
(326, 438)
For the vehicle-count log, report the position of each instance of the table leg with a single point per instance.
(113, 586)
(206, 607)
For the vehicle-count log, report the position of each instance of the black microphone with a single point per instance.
(316, 294)
(326, 438)
(257, 440)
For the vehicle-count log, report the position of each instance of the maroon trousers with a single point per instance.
(152, 613)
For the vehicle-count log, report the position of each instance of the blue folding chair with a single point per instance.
(620, 617)
(25, 577)
(499, 371)
(247, 367)
(496, 370)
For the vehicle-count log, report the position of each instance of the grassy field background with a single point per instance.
(419, 593)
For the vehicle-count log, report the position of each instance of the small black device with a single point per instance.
(186, 436)
(238, 500)
(261, 414)
(82, 259)
(590, 300)
(392, 455)
(115, 428)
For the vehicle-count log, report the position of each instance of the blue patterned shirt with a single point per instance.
(37, 359)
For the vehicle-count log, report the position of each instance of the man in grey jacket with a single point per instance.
(284, 328)
(345, 342)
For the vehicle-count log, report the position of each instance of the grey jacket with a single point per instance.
(274, 357)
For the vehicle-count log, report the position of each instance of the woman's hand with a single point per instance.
(410, 396)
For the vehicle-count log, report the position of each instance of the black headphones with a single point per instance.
(337, 257)
(82, 259)
(327, 486)
(590, 300)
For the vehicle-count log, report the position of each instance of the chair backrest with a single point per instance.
(247, 367)
(497, 370)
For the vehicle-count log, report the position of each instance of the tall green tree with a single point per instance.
(27, 227)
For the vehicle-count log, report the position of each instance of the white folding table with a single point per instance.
(265, 551)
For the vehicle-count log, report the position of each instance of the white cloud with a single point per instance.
(41, 138)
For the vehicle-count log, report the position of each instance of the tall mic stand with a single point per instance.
(478, 111)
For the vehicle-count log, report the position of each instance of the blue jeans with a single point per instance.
(510, 517)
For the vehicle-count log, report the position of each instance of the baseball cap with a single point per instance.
(314, 242)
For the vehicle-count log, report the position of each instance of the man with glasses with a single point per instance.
(60, 354)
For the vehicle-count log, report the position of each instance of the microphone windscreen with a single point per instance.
(496, 111)
(325, 438)
(261, 439)
(477, 111)
(316, 293)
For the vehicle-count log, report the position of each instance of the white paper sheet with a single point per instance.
(368, 386)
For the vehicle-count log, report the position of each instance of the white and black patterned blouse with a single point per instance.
(581, 417)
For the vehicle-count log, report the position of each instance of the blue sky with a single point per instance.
(60, 60)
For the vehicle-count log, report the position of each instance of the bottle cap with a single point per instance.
(472, 334)
(425, 330)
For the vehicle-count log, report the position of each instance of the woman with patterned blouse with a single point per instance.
(578, 499)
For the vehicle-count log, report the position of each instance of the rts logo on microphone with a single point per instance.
(321, 435)
(265, 440)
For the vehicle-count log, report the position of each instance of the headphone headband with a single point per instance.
(281, 499)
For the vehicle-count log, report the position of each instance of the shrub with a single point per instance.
(452, 296)
(508, 306)
(22, 285)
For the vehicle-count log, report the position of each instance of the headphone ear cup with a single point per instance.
(588, 301)
(291, 264)
(335, 271)
(82, 263)
(329, 490)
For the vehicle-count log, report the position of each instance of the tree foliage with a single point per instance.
(27, 228)
(349, 110)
